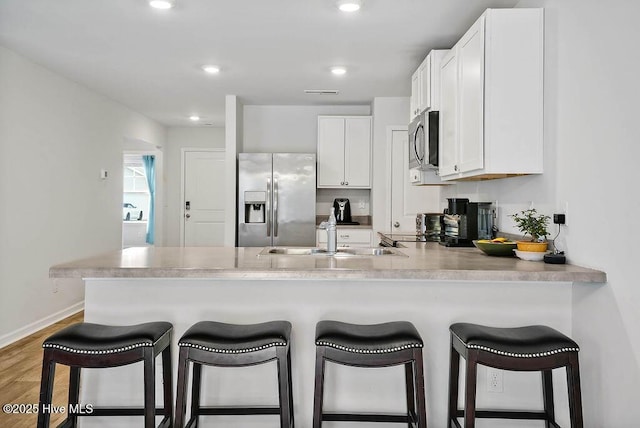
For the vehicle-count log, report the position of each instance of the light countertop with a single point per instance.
(428, 261)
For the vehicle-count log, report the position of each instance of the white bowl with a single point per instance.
(532, 256)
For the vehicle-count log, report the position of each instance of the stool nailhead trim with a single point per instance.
(98, 351)
(231, 351)
(105, 351)
(369, 351)
(512, 354)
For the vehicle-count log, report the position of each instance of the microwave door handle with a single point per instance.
(415, 144)
(268, 207)
(275, 207)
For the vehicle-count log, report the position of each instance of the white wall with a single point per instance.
(288, 128)
(178, 138)
(55, 136)
(591, 136)
(388, 111)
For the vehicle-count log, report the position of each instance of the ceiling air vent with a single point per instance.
(321, 91)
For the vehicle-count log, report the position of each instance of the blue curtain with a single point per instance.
(150, 171)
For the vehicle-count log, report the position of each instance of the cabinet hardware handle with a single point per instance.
(187, 215)
(455, 167)
(344, 236)
(396, 224)
(346, 183)
(342, 183)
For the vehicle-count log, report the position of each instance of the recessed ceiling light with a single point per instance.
(211, 69)
(162, 4)
(349, 5)
(194, 118)
(338, 71)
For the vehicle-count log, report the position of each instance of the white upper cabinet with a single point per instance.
(448, 149)
(491, 115)
(344, 152)
(425, 84)
(416, 92)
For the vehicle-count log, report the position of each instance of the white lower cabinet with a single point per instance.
(347, 237)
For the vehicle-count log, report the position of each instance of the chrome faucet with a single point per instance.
(332, 233)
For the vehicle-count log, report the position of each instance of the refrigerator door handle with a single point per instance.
(268, 207)
(275, 207)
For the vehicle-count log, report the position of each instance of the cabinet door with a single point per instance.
(425, 79)
(354, 237)
(471, 98)
(331, 134)
(448, 148)
(357, 152)
(347, 237)
(414, 101)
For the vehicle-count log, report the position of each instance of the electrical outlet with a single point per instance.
(494, 380)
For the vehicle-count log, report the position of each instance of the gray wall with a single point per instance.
(55, 137)
(288, 128)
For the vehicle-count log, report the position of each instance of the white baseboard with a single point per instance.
(25, 331)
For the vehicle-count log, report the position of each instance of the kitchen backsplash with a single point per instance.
(359, 199)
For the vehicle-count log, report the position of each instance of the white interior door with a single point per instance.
(407, 200)
(203, 204)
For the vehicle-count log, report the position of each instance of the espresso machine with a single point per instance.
(465, 221)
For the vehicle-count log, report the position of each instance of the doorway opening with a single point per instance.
(138, 200)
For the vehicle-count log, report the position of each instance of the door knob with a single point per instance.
(187, 215)
(396, 224)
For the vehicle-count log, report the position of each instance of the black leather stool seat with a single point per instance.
(212, 343)
(371, 345)
(368, 339)
(219, 337)
(87, 338)
(521, 342)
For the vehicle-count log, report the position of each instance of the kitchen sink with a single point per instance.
(340, 252)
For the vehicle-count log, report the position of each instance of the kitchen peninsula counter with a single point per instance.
(421, 261)
(430, 286)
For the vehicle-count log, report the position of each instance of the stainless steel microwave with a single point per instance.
(423, 141)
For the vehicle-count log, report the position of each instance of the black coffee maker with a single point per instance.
(342, 211)
(464, 222)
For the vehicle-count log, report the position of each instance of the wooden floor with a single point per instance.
(20, 369)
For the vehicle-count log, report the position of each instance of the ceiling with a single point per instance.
(269, 51)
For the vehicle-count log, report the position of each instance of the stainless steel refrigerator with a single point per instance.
(276, 199)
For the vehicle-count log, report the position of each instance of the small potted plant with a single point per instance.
(533, 224)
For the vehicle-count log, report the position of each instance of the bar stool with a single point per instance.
(531, 348)
(87, 345)
(378, 345)
(232, 345)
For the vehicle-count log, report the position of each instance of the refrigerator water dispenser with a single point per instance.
(254, 207)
